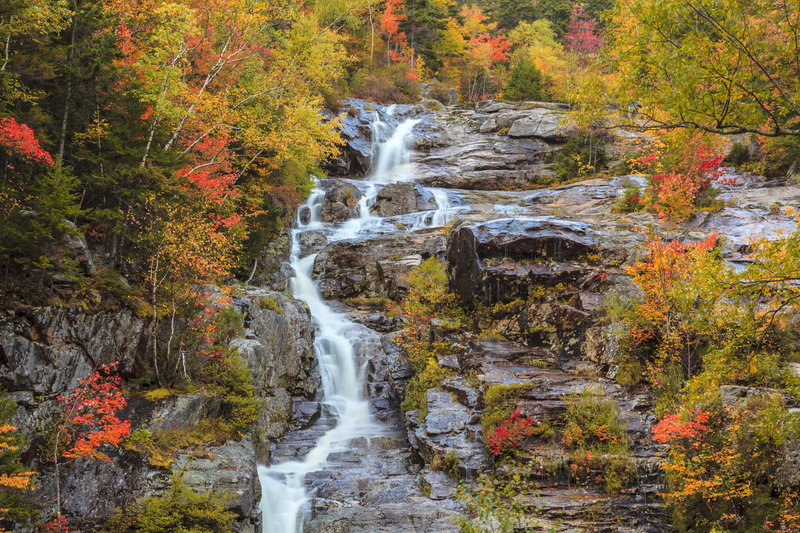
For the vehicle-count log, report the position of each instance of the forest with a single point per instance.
(156, 154)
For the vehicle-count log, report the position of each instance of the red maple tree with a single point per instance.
(18, 140)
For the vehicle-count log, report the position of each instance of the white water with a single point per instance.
(285, 498)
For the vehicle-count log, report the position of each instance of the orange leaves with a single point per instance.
(90, 414)
(14, 480)
(666, 269)
(392, 16)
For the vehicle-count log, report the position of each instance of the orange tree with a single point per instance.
(89, 422)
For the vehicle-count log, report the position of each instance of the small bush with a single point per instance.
(180, 509)
(269, 303)
(595, 434)
(579, 158)
(739, 155)
(499, 402)
(492, 505)
(440, 92)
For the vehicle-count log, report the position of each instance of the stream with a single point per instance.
(285, 496)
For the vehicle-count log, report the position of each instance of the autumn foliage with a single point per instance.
(91, 415)
(18, 140)
(511, 433)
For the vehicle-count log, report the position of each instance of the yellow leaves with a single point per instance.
(21, 481)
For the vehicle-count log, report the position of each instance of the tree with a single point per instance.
(89, 422)
(582, 37)
(724, 67)
(524, 82)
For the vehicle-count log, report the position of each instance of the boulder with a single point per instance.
(448, 428)
(340, 202)
(541, 123)
(372, 268)
(311, 242)
(400, 199)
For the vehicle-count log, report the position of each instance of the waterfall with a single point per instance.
(284, 495)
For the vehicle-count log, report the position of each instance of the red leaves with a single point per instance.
(673, 429)
(90, 413)
(58, 523)
(673, 193)
(510, 433)
(18, 140)
(582, 37)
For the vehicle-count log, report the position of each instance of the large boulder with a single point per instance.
(340, 202)
(541, 123)
(373, 268)
(400, 199)
(503, 259)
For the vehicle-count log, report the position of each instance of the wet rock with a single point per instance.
(311, 242)
(437, 485)
(447, 430)
(340, 202)
(373, 268)
(401, 198)
(304, 214)
(444, 415)
(463, 392)
(305, 413)
(278, 342)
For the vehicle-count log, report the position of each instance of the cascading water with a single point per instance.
(285, 496)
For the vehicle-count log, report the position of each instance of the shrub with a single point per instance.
(440, 92)
(510, 433)
(721, 464)
(580, 158)
(499, 402)
(492, 505)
